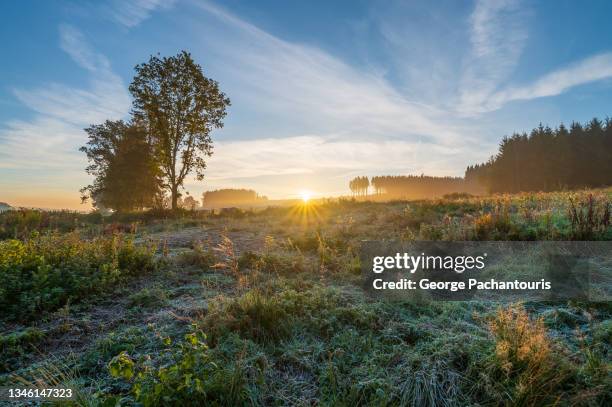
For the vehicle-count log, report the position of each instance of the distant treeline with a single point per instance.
(413, 186)
(544, 160)
(221, 197)
(550, 159)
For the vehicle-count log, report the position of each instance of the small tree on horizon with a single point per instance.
(190, 203)
(180, 107)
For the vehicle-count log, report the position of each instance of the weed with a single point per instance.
(589, 218)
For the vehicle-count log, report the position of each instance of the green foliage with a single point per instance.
(45, 272)
(275, 263)
(180, 107)
(122, 366)
(603, 332)
(19, 224)
(255, 315)
(189, 377)
(16, 344)
(200, 257)
(148, 298)
(292, 327)
(122, 162)
(524, 357)
(590, 218)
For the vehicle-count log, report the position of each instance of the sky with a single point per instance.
(321, 91)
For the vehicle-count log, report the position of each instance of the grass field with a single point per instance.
(266, 308)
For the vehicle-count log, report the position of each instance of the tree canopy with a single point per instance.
(122, 162)
(175, 108)
(179, 107)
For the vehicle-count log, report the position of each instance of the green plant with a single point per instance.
(45, 272)
(188, 377)
(255, 315)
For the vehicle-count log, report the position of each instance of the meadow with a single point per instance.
(265, 307)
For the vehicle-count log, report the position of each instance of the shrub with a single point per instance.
(197, 257)
(16, 344)
(21, 223)
(190, 377)
(44, 273)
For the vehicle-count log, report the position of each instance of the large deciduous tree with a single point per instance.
(123, 165)
(180, 107)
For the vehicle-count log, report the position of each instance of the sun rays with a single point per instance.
(305, 210)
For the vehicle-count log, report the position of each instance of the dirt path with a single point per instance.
(185, 238)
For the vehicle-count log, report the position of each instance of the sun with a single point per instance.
(305, 195)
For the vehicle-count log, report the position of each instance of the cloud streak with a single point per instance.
(591, 69)
(307, 84)
(131, 13)
(497, 36)
(55, 133)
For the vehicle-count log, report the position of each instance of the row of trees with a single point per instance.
(550, 159)
(231, 196)
(359, 186)
(144, 162)
(544, 160)
(413, 186)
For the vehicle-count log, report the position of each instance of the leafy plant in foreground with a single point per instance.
(190, 377)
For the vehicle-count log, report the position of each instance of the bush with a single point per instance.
(197, 257)
(189, 378)
(16, 344)
(44, 273)
(590, 218)
(21, 223)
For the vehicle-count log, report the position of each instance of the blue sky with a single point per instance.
(321, 91)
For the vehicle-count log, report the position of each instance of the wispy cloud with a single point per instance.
(306, 83)
(342, 119)
(588, 70)
(311, 153)
(497, 37)
(54, 134)
(131, 13)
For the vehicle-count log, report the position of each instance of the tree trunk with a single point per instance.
(174, 197)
